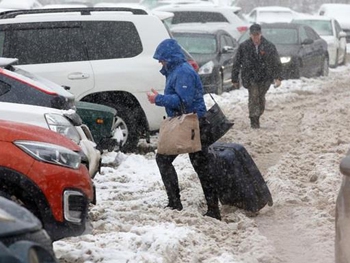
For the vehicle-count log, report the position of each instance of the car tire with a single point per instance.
(325, 67)
(345, 58)
(127, 120)
(295, 72)
(336, 60)
(219, 84)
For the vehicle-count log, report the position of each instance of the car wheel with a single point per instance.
(219, 84)
(344, 58)
(336, 60)
(325, 67)
(295, 72)
(125, 125)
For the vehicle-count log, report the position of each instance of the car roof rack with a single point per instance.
(82, 10)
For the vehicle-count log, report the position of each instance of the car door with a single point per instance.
(228, 47)
(305, 53)
(54, 50)
(318, 50)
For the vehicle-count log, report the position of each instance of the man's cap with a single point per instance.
(255, 28)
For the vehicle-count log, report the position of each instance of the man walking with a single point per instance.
(259, 63)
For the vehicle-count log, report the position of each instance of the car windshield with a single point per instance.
(322, 27)
(278, 36)
(281, 36)
(197, 17)
(275, 16)
(196, 43)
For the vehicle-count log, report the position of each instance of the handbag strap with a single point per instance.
(212, 98)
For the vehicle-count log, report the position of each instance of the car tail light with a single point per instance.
(193, 64)
(242, 29)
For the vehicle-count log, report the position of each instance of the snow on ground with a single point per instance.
(303, 137)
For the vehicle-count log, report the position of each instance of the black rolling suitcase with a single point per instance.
(239, 181)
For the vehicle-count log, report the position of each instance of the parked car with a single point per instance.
(340, 12)
(67, 123)
(302, 51)
(102, 122)
(342, 214)
(330, 30)
(104, 69)
(41, 170)
(213, 50)
(20, 86)
(22, 238)
(222, 17)
(271, 14)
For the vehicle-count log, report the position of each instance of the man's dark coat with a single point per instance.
(256, 67)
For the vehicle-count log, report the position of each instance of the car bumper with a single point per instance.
(289, 70)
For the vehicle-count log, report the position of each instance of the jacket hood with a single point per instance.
(170, 52)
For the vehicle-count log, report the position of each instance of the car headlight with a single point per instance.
(50, 153)
(62, 125)
(207, 68)
(285, 60)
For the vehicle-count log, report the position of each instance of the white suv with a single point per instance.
(105, 56)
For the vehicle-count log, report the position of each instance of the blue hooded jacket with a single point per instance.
(182, 81)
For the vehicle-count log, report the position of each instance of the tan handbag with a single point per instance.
(179, 134)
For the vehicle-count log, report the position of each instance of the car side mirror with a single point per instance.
(345, 165)
(227, 49)
(308, 41)
(342, 34)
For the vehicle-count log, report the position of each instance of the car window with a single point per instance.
(16, 91)
(4, 88)
(226, 40)
(311, 33)
(112, 39)
(2, 42)
(252, 16)
(302, 34)
(197, 43)
(322, 27)
(197, 17)
(47, 45)
(336, 25)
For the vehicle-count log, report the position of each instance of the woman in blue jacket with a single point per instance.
(183, 87)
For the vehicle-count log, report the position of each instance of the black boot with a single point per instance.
(254, 122)
(214, 212)
(175, 204)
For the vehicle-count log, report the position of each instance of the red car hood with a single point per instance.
(12, 131)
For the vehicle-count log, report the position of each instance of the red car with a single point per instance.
(42, 170)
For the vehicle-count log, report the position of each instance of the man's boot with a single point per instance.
(254, 122)
(175, 204)
(214, 212)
